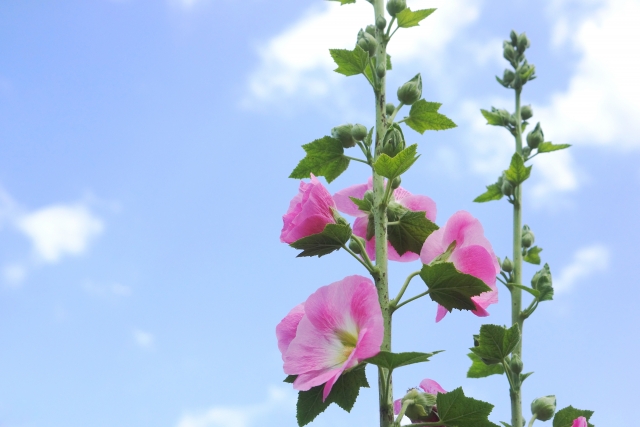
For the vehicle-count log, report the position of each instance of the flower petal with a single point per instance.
(580, 422)
(441, 313)
(344, 203)
(417, 203)
(431, 387)
(286, 329)
(433, 246)
(475, 261)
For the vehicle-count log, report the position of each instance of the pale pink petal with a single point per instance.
(475, 261)
(397, 406)
(307, 380)
(308, 226)
(433, 247)
(431, 387)
(344, 203)
(286, 329)
(580, 422)
(400, 193)
(419, 203)
(441, 313)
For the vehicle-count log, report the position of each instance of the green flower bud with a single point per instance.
(526, 151)
(343, 134)
(516, 364)
(509, 53)
(368, 196)
(507, 188)
(507, 265)
(354, 246)
(396, 182)
(523, 43)
(359, 132)
(393, 141)
(542, 278)
(381, 22)
(396, 6)
(514, 38)
(526, 112)
(367, 42)
(507, 78)
(421, 406)
(371, 30)
(411, 91)
(527, 237)
(544, 407)
(390, 108)
(381, 70)
(535, 137)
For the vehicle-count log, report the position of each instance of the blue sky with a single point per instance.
(146, 149)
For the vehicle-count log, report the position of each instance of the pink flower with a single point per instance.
(402, 197)
(472, 255)
(341, 325)
(428, 386)
(309, 212)
(580, 422)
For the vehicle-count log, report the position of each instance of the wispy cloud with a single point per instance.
(143, 339)
(586, 261)
(250, 415)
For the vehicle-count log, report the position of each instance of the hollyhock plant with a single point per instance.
(580, 422)
(309, 212)
(341, 324)
(428, 386)
(472, 255)
(401, 196)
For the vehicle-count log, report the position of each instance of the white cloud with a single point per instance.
(143, 339)
(586, 261)
(251, 415)
(60, 230)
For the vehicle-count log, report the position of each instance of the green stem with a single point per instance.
(405, 405)
(393, 116)
(370, 267)
(357, 160)
(533, 418)
(411, 299)
(386, 36)
(396, 300)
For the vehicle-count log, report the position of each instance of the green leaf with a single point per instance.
(517, 172)
(496, 342)
(343, 2)
(451, 288)
(392, 167)
(524, 376)
(505, 424)
(533, 255)
(533, 292)
(548, 147)
(494, 192)
(350, 62)
(455, 409)
(386, 359)
(325, 157)
(566, 416)
(344, 393)
(409, 234)
(362, 204)
(290, 379)
(408, 18)
(479, 369)
(424, 116)
(332, 238)
(493, 119)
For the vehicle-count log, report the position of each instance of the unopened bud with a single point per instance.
(507, 188)
(523, 42)
(396, 6)
(420, 407)
(411, 91)
(371, 30)
(343, 134)
(544, 407)
(542, 279)
(509, 52)
(359, 132)
(393, 141)
(527, 237)
(354, 246)
(516, 364)
(381, 22)
(514, 38)
(396, 182)
(508, 77)
(507, 265)
(381, 70)
(368, 43)
(390, 108)
(535, 137)
(526, 151)
(526, 112)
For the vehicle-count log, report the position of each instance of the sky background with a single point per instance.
(145, 152)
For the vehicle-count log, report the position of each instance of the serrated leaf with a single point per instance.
(548, 147)
(332, 238)
(290, 379)
(325, 157)
(344, 393)
(410, 232)
(517, 172)
(496, 342)
(350, 62)
(493, 119)
(533, 255)
(451, 288)
(455, 409)
(424, 116)
(386, 359)
(479, 369)
(494, 192)
(566, 416)
(392, 167)
(410, 18)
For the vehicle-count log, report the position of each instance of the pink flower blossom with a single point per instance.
(309, 212)
(341, 325)
(402, 197)
(472, 255)
(428, 386)
(580, 422)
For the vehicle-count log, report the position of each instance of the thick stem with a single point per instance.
(385, 385)
(516, 293)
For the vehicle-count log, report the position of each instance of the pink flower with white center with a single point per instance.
(341, 325)
(401, 196)
(580, 422)
(309, 212)
(428, 386)
(472, 255)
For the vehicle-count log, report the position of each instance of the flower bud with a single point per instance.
(526, 112)
(390, 108)
(381, 22)
(396, 6)
(343, 134)
(507, 78)
(509, 52)
(393, 141)
(526, 151)
(381, 70)
(359, 132)
(516, 364)
(354, 246)
(371, 30)
(396, 182)
(507, 188)
(514, 38)
(527, 237)
(411, 91)
(542, 278)
(420, 407)
(367, 42)
(507, 265)
(535, 137)
(544, 407)
(523, 42)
